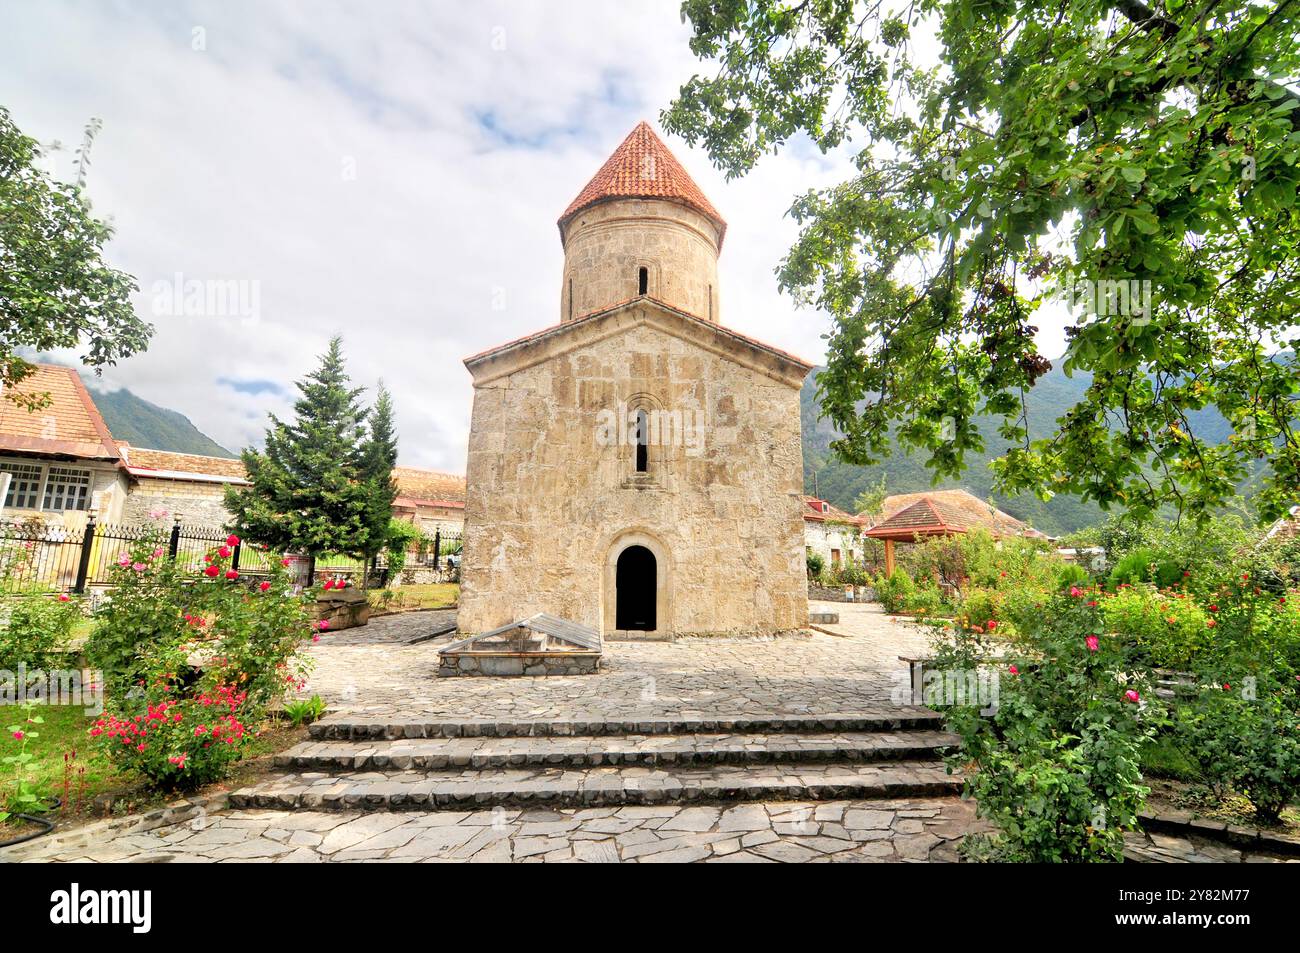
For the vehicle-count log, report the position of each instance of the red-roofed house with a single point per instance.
(831, 533)
(61, 461)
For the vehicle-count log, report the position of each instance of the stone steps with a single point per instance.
(596, 787)
(436, 754)
(360, 726)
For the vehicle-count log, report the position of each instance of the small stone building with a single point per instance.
(636, 468)
(833, 534)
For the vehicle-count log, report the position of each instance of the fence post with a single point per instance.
(437, 546)
(83, 564)
(234, 557)
(174, 544)
(311, 570)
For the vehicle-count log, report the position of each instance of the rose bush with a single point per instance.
(1056, 765)
(186, 652)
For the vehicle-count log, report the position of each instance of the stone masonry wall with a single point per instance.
(548, 505)
(197, 504)
(606, 245)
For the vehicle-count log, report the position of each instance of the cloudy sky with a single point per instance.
(389, 172)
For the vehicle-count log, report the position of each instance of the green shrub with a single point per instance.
(1071, 574)
(895, 592)
(926, 600)
(979, 607)
(1244, 734)
(816, 565)
(1171, 629)
(35, 629)
(1056, 766)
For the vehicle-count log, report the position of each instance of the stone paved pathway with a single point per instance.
(371, 669)
(783, 832)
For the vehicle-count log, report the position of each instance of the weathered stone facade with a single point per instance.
(192, 502)
(712, 503)
(605, 248)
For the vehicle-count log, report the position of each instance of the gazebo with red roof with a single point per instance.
(941, 513)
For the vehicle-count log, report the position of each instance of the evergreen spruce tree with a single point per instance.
(378, 457)
(310, 493)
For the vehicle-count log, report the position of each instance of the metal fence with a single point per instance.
(38, 556)
(442, 551)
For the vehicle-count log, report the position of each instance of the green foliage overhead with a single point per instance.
(1100, 146)
(309, 488)
(55, 289)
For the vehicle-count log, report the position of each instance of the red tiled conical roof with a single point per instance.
(643, 168)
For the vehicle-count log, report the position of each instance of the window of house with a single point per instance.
(835, 557)
(67, 489)
(643, 281)
(24, 486)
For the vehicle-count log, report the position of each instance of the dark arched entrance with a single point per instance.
(635, 583)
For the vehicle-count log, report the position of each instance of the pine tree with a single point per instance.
(378, 457)
(309, 491)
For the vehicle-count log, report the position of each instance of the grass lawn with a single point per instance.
(91, 775)
(408, 598)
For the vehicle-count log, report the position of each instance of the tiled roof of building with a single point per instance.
(166, 465)
(71, 425)
(819, 511)
(642, 167)
(1288, 527)
(942, 512)
(428, 487)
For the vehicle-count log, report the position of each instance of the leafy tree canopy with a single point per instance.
(1139, 160)
(55, 289)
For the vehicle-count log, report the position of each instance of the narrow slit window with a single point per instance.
(642, 442)
(570, 297)
(643, 281)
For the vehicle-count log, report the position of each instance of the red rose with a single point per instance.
(211, 572)
(264, 586)
(232, 540)
(232, 574)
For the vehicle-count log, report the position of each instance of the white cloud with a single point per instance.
(469, 129)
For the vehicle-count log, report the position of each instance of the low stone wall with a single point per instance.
(515, 664)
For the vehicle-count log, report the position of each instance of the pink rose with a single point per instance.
(223, 552)
(1132, 696)
(1076, 591)
(232, 574)
(139, 567)
(1013, 670)
(63, 597)
(1092, 643)
(19, 736)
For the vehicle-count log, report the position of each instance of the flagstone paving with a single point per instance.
(372, 669)
(780, 832)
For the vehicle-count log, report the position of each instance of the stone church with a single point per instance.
(637, 467)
